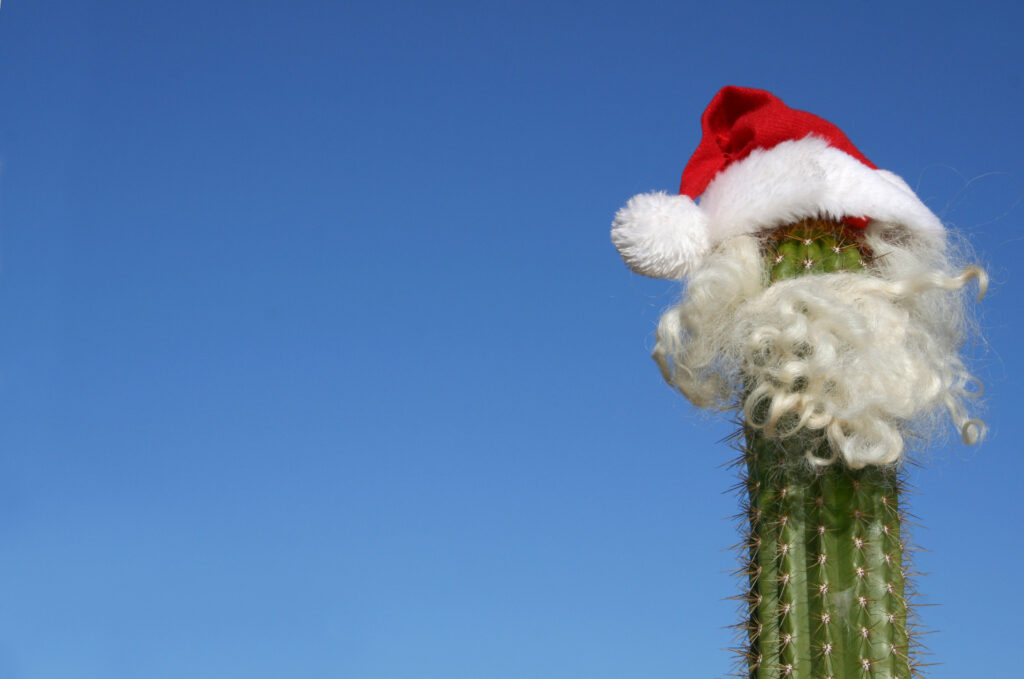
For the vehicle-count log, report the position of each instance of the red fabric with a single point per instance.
(741, 119)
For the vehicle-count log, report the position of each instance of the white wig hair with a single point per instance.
(863, 360)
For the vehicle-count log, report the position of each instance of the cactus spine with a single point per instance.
(825, 556)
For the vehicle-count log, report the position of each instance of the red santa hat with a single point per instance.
(759, 165)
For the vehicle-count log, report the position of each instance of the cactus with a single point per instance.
(834, 372)
(824, 554)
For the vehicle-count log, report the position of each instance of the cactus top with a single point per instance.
(759, 165)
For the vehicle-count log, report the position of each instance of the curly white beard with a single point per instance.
(865, 359)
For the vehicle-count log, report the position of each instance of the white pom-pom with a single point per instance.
(661, 236)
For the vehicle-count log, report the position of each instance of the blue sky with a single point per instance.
(317, 361)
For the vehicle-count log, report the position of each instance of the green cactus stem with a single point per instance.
(825, 560)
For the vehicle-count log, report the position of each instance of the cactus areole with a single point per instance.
(824, 307)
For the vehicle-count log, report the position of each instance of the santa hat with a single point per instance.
(759, 165)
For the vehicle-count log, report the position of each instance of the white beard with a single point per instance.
(866, 360)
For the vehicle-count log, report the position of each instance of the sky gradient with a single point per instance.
(317, 360)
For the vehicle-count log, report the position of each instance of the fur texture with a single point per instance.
(807, 178)
(659, 235)
(667, 236)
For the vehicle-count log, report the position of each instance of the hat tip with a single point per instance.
(661, 235)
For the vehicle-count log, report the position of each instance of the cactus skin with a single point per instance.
(825, 559)
(814, 246)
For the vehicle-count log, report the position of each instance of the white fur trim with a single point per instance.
(661, 236)
(805, 178)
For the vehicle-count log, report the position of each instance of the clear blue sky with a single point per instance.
(317, 361)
